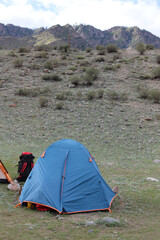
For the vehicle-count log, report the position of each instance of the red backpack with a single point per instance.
(25, 166)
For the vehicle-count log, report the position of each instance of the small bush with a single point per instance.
(23, 50)
(42, 48)
(141, 48)
(155, 95)
(80, 57)
(12, 54)
(27, 92)
(90, 76)
(52, 77)
(35, 66)
(43, 102)
(91, 95)
(88, 49)
(112, 48)
(64, 48)
(18, 62)
(76, 80)
(150, 47)
(100, 59)
(48, 65)
(59, 106)
(156, 72)
(42, 54)
(100, 93)
(144, 94)
(144, 77)
(109, 68)
(118, 96)
(61, 96)
(158, 59)
(151, 94)
(84, 63)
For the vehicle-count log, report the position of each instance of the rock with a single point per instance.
(156, 161)
(90, 223)
(110, 221)
(115, 190)
(59, 217)
(152, 179)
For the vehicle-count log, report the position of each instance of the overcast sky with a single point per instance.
(102, 14)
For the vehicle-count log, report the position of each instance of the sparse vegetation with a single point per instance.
(111, 117)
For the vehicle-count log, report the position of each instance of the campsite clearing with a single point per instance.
(121, 130)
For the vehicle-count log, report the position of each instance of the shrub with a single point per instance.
(43, 102)
(52, 77)
(141, 48)
(41, 48)
(59, 106)
(100, 47)
(76, 80)
(23, 50)
(48, 65)
(100, 59)
(93, 72)
(90, 76)
(42, 54)
(150, 47)
(144, 94)
(144, 77)
(12, 54)
(100, 93)
(88, 49)
(155, 95)
(64, 48)
(18, 62)
(27, 92)
(151, 94)
(156, 72)
(91, 95)
(80, 57)
(118, 96)
(35, 66)
(61, 96)
(84, 63)
(112, 48)
(109, 68)
(158, 59)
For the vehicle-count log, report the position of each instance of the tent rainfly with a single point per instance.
(4, 176)
(66, 178)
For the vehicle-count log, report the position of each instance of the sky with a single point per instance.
(102, 14)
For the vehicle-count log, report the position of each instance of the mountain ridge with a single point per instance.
(81, 36)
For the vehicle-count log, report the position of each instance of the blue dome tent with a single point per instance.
(66, 178)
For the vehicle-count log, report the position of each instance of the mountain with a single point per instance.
(81, 36)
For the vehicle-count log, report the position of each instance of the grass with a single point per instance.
(116, 133)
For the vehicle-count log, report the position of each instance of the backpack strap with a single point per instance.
(24, 167)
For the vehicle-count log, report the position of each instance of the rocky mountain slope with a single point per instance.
(81, 36)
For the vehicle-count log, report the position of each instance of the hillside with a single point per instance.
(81, 36)
(109, 103)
